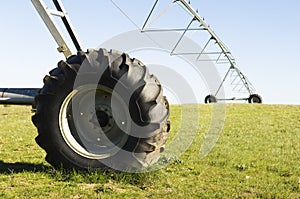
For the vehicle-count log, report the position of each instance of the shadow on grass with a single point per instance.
(94, 176)
(19, 167)
(99, 176)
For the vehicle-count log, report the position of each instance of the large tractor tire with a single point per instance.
(255, 99)
(119, 121)
(210, 99)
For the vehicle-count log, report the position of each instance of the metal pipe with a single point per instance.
(18, 96)
(67, 22)
(45, 14)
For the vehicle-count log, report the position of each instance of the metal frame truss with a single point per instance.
(240, 82)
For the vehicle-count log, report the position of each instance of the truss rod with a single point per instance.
(172, 30)
(146, 22)
(222, 82)
(182, 35)
(204, 53)
(203, 49)
(221, 53)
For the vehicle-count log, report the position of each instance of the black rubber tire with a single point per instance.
(210, 99)
(255, 99)
(147, 106)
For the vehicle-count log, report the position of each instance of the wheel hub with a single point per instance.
(102, 118)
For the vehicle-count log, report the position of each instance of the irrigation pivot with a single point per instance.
(240, 81)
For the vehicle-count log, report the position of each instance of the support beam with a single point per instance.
(18, 96)
(46, 14)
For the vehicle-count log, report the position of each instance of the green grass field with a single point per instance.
(256, 156)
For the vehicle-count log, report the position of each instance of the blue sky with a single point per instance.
(262, 35)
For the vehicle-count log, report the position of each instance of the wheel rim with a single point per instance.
(87, 122)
